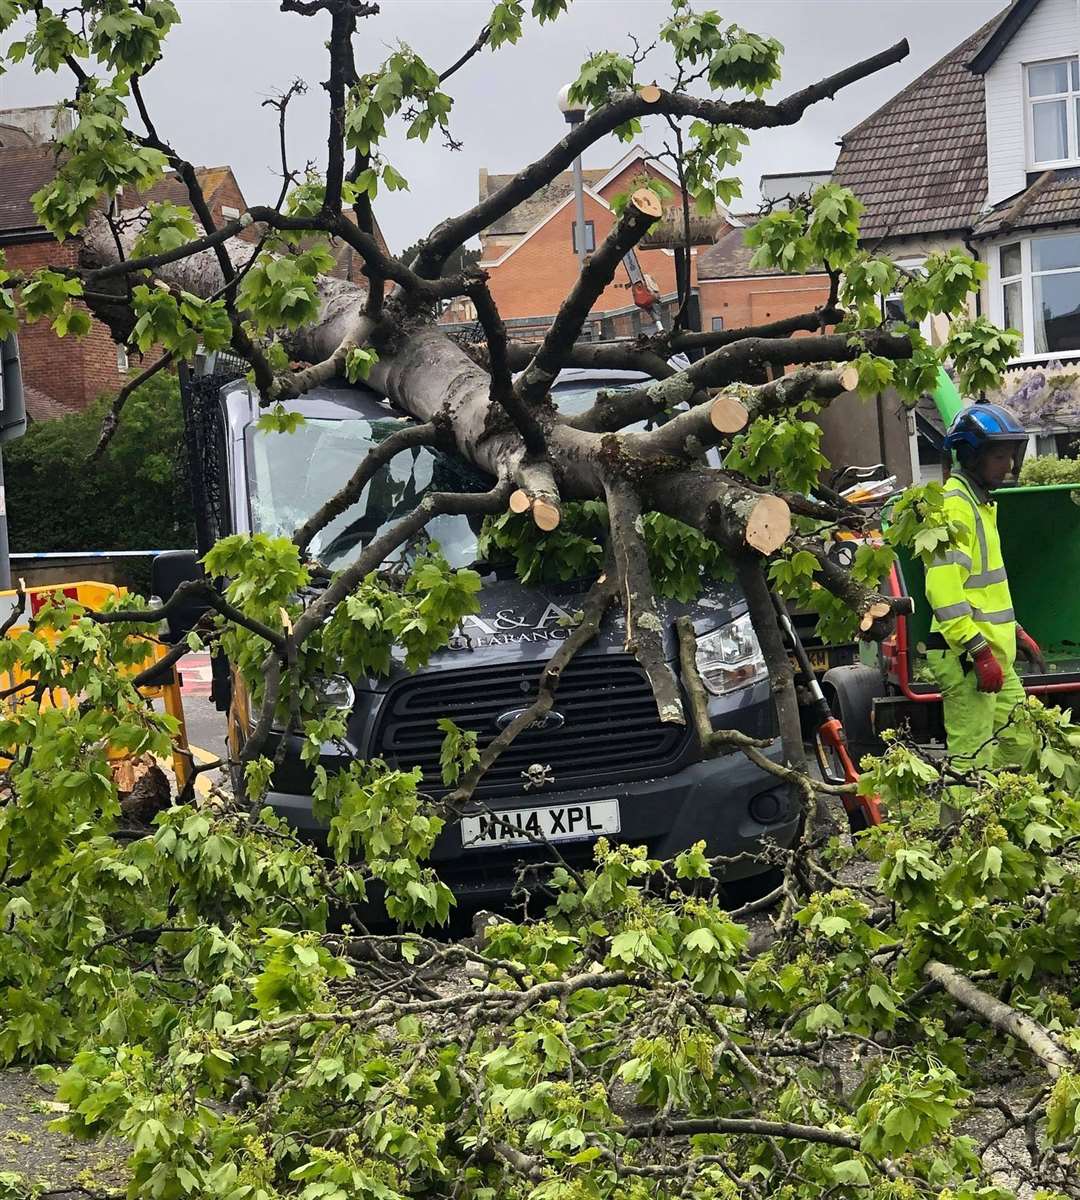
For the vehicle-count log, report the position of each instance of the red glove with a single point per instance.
(988, 670)
(1028, 649)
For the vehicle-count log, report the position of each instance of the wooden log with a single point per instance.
(519, 501)
(728, 415)
(768, 524)
(546, 514)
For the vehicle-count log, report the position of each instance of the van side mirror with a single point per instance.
(168, 570)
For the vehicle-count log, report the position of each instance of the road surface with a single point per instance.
(205, 725)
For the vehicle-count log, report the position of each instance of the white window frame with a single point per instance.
(230, 213)
(1027, 294)
(1072, 126)
(122, 363)
(926, 328)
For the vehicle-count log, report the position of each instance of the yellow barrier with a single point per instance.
(94, 595)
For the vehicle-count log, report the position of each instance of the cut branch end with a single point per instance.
(728, 415)
(546, 515)
(646, 201)
(768, 525)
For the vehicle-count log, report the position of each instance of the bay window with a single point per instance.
(1053, 91)
(1039, 293)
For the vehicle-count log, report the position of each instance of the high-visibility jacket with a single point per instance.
(966, 586)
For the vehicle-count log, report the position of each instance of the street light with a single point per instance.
(574, 112)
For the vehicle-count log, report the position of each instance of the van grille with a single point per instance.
(611, 730)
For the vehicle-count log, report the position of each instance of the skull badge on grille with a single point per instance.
(537, 776)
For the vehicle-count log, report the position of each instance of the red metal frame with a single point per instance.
(903, 660)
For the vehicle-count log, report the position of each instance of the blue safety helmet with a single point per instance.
(982, 425)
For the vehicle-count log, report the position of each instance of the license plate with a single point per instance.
(820, 660)
(554, 823)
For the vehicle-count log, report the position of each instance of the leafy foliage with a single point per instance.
(1049, 468)
(207, 979)
(274, 1063)
(681, 560)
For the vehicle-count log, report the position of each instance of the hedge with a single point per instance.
(134, 497)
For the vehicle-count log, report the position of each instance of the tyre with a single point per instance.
(851, 692)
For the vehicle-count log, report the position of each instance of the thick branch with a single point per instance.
(877, 612)
(1000, 1015)
(633, 356)
(644, 629)
(641, 211)
(538, 493)
(728, 365)
(516, 406)
(749, 114)
(731, 363)
(781, 676)
(342, 27)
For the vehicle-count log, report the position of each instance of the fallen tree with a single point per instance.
(169, 276)
(208, 981)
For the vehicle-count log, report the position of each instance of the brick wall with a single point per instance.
(538, 276)
(71, 371)
(753, 301)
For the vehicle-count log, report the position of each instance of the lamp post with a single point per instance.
(574, 113)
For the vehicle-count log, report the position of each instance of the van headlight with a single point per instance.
(730, 657)
(333, 692)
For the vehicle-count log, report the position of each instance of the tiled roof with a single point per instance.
(729, 257)
(172, 190)
(522, 218)
(1052, 198)
(23, 170)
(918, 164)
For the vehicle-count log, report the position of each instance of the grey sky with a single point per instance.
(229, 55)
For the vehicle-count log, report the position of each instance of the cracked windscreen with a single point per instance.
(291, 475)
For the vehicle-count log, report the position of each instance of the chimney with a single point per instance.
(483, 182)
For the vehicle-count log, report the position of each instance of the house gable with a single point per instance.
(1047, 29)
(591, 200)
(1018, 12)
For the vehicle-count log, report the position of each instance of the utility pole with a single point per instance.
(12, 425)
(574, 113)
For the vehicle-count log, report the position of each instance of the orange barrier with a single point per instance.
(93, 595)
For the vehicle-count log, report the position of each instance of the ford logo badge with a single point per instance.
(552, 720)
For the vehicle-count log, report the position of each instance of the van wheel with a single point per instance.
(851, 692)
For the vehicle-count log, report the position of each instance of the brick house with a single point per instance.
(734, 294)
(982, 152)
(66, 374)
(531, 258)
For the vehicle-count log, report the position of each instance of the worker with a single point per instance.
(975, 639)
